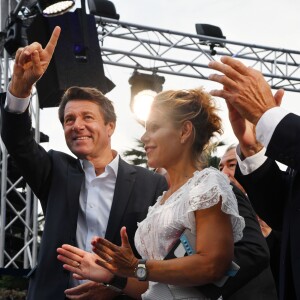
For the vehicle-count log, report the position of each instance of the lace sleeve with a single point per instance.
(207, 189)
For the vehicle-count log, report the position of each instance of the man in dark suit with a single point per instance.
(254, 278)
(266, 133)
(252, 255)
(95, 193)
(263, 285)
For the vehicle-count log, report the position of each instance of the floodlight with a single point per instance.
(52, 8)
(144, 87)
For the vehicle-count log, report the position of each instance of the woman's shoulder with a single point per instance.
(208, 185)
(209, 174)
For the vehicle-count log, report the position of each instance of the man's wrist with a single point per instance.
(249, 150)
(250, 163)
(19, 90)
(117, 283)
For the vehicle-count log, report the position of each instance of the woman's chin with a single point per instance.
(152, 165)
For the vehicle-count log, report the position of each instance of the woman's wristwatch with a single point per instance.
(141, 270)
(118, 283)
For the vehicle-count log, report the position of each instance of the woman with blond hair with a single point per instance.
(179, 128)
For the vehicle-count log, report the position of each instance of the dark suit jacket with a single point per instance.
(56, 179)
(254, 280)
(276, 198)
(274, 242)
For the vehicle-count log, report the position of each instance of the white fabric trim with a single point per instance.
(250, 163)
(267, 124)
(14, 104)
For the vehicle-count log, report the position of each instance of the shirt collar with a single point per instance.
(112, 167)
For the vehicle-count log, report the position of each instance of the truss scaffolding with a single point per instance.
(182, 54)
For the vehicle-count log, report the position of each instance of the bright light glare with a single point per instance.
(142, 104)
(58, 8)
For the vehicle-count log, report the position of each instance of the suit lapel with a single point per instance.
(75, 178)
(124, 184)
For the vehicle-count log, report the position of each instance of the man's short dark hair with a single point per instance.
(89, 94)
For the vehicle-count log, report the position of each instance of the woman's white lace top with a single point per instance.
(164, 223)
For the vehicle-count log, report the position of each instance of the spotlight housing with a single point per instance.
(103, 8)
(211, 31)
(144, 87)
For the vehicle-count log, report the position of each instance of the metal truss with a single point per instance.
(169, 52)
(142, 48)
(19, 218)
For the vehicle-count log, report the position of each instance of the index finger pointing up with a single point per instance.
(53, 40)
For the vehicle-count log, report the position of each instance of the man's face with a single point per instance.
(86, 134)
(228, 163)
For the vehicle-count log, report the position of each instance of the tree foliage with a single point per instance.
(137, 156)
(209, 157)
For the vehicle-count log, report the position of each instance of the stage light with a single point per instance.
(142, 104)
(52, 8)
(144, 87)
(15, 37)
(211, 31)
(103, 8)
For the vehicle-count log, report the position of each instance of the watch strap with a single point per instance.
(142, 261)
(117, 283)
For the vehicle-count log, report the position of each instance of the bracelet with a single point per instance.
(117, 284)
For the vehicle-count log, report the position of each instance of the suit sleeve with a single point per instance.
(251, 252)
(284, 145)
(31, 159)
(268, 186)
(267, 189)
(274, 244)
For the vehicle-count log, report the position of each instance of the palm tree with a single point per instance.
(137, 156)
(208, 157)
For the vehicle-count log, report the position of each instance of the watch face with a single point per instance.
(141, 272)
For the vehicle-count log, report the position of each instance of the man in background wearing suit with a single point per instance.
(263, 285)
(251, 253)
(266, 133)
(95, 193)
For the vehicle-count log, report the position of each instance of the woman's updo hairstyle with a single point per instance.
(193, 105)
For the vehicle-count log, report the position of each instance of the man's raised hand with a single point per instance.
(31, 62)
